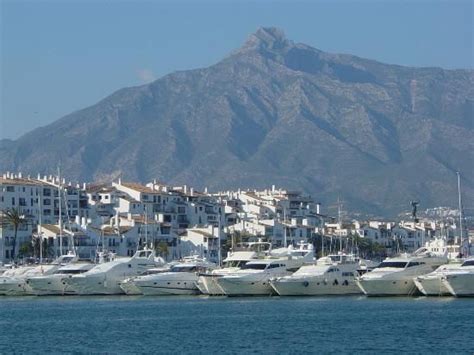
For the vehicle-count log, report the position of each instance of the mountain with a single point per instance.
(276, 112)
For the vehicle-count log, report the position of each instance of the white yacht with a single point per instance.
(13, 282)
(254, 277)
(394, 276)
(181, 279)
(431, 284)
(207, 282)
(460, 282)
(104, 279)
(128, 285)
(54, 284)
(331, 275)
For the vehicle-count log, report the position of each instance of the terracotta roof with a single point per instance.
(51, 227)
(113, 230)
(19, 181)
(129, 199)
(99, 188)
(203, 233)
(138, 187)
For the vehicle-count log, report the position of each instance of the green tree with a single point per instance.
(26, 249)
(14, 218)
(163, 249)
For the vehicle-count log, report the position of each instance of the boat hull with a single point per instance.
(13, 287)
(44, 285)
(163, 288)
(432, 286)
(208, 285)
(460, 285)
(93, 286)
(238, 287)
(315, 287)
(129, 287)
(381, 287)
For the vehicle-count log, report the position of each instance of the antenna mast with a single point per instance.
(60, 213)
(460, 214)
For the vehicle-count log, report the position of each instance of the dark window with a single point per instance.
(394, 264)
(10, 188)
(255, 266)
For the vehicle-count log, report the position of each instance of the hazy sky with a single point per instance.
(61, 56)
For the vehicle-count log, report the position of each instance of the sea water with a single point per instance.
(236, 325)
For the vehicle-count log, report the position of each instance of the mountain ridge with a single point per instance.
(275, 112)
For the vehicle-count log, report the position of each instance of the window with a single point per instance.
(22, 201)
(46, 192)
(254, 266)
(394, 264)
(10, 188)
(47, 202)
(13, 201)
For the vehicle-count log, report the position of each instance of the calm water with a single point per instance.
(236, 325)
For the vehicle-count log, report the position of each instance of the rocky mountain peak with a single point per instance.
(267, 38)
(378, 135)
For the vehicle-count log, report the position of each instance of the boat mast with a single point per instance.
(460, 215)
(339, 221)
(60, 214)
(284, 226)
(219, 226)
(146, 226)
(40, 221)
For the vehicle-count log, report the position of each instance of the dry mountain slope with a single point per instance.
(276, 112)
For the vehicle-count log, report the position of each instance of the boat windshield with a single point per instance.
(183, 269)
(393, 264)
(71, 271)
(235, 263)
(468, 263)
(66, 259)
(254, 266)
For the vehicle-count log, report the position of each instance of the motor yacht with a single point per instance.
(13, 282)
(181, 279)
(394, 276)
(331, 275)
(243, 253)
(431, 284)
(128, 285)
(54, 284)
(104, 279)
(460, 282)
(254, 277)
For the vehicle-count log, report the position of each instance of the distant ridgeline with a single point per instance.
(276, 112)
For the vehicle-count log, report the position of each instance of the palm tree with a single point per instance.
(13, 217)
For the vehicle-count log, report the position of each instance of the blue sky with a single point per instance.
(61, 56)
